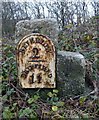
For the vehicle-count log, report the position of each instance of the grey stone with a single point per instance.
(46, 27)
(70, 73)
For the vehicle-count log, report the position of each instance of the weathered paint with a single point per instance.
(36, 62)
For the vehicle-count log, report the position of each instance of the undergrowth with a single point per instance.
(17, 104)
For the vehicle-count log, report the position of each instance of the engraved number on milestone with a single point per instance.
(35, 51)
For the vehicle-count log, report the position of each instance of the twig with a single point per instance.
(20, 91)
(19, 96)
(77, 97)
(45, 105)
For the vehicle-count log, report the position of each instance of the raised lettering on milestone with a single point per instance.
(36, 66)
(35, 51)
(31, 80)
(41, 41)
(39, 78)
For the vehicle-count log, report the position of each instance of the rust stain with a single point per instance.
(36, 62)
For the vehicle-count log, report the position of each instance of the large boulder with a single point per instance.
(47, 27)
(70, 73)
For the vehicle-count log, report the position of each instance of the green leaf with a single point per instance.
(67, 27)
(35, 106)
(5, 98)
(55, 91)
(33, 117)
(30, 100)
(10, 91)
(94, 97)
(20, 113)
(82, 99)
(14, 105)
(27, 111)
(60, 104)
(55, 99)
(36, 97)
(50, 94)
(54, 108)
(88, 37)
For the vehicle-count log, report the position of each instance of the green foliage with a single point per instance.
(9, 62)
(53, 99)
(55, 91)
(4, 86)
(7, 114)
(52, 96)
(35, 98)
(34, 106)
(25, 112)
(82, 99)
(59, 103)
(54, 108)
(4, 98)
(10, 91)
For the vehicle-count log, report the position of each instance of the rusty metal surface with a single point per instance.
(36, 62)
